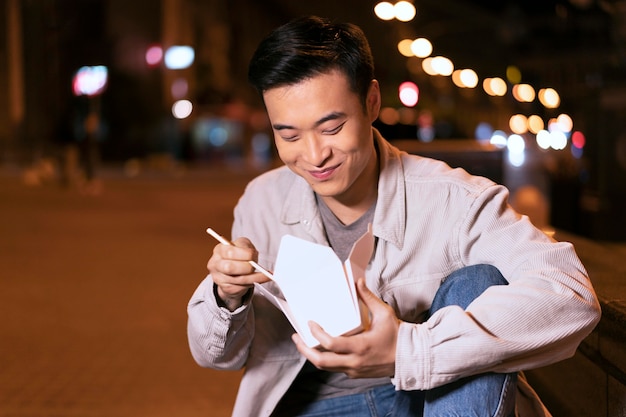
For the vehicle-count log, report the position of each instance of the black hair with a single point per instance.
(310, 46)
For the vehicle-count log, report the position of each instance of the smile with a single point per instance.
(323, 174)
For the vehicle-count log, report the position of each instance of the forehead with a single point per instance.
(313, 96)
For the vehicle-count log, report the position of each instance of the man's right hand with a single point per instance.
(232, 273)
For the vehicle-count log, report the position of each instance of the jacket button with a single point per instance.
(410, 382)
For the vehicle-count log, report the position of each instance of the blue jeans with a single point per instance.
(481, 395)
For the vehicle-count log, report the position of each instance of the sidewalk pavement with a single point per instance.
(93, 295)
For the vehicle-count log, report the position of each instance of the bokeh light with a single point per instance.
(180, 88)
(427, 66)
(549, 98)
(179, 57)
(404, 11)
(456, 79)
(498, 139)
(389, 116)
(384, 10)
(90, 81)
(466, 78)
(442, 65)
(523, 93)
(558, 140)
(408, 93)
(404, 47)
(218, 135)
(513, 74)
(516, 144)
(495, 86)
(576, 152)
(554, 139)
(182, 109)
(421, 47)
(543, 139)
(483, 131)
(566, 124)
(469, 78)
(517, 159)
(516, 147)
(154, 55)
(518, 123)
(578, 139)
(535, 124)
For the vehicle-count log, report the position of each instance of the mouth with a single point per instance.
(323, 174)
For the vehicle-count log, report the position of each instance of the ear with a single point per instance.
(373, 100)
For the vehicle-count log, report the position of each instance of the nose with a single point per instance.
(317, 150)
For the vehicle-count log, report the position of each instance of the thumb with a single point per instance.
(369, 298)
(243, 242)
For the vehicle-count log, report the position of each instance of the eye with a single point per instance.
(334, 130)
(287, 135)
(286, 138)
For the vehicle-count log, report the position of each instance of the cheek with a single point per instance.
(286, 153)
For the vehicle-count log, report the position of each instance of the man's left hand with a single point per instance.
(369, 354)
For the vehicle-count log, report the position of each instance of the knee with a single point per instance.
(464, 285)
(478, 275)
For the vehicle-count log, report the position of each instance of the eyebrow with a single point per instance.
(330, 116)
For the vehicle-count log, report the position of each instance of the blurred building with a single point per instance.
(577, 47)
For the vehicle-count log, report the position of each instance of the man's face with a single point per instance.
(324, 134)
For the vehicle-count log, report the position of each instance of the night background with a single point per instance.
(577, 48)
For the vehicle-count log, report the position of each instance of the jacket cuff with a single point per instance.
(236, 314)
(412, 358)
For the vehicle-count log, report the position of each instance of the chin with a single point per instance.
(326, 190)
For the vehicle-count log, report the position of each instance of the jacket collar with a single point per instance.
(390, 216)
(300, 207)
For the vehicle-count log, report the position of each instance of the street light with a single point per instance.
(403, 11)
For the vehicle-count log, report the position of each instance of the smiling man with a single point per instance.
(464, 293)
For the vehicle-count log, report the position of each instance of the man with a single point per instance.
(463, 292)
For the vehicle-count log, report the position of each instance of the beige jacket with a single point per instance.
(430, 220)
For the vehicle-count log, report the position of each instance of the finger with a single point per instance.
(371, 300)
(326, 341)
(262, 278)
(321, 359)
(363, 291)
(228, 269)
(341, 345)
(231, 260)
(304, 349)
(246, 280)
(243, 242)
(238, 253)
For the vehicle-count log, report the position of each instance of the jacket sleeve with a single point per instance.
(540, 318)
(218, 338)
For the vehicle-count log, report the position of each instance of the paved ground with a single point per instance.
(93, 294)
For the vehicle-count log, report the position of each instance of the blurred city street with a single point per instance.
(94, 292)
